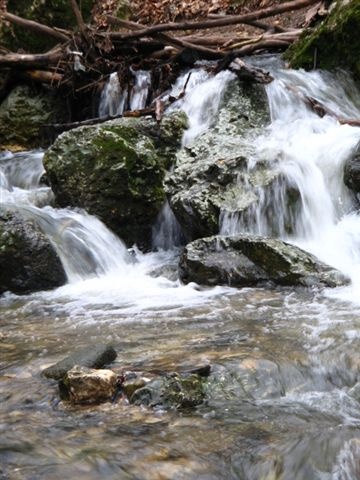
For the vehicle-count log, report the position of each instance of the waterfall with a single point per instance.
(310, 153)
(115, 99)
(166, 233)
(203, 94)
(85, 246)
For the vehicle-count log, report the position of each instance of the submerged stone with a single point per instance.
(83, 385)
(115, 171)
(94, 356)
(249, 260)
(171, 391)
(28, 262)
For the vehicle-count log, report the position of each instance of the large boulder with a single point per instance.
(115, 171)
(22, 116)
(334, 43)
(28, 261)
(249, 260)
(212, 176)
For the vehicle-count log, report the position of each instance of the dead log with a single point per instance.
(248, 73)
(35, 27)
(32, 61)
(43, 76)
(205, 24)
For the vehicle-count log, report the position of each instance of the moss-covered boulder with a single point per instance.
(22, 116)
(54, 13)
(115, 171)
(334, 43)
(28, 262)
(212, 176)
(249, 260)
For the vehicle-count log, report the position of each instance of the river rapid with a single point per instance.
(283, 399)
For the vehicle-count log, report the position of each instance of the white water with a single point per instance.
(115, 99)
(204, 93)
(310, 152)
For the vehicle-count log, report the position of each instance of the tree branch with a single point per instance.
(221, 22)
(35, 26)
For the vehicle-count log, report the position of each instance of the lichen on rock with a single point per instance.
(115, 171)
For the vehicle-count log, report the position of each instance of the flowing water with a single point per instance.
(283, 401)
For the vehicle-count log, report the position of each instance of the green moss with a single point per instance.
(54, 13)
(335, 43)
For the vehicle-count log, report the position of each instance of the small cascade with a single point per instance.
(140, 90)
(85, 246)
(20, 179)
(166, 233)
(204, 93)
(115, 100)
(309, 204)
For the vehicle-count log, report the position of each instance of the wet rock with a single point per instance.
(28, 262)
(22, 116)
(83, 385)
(115, 171)
(212, 176)
(332, 44)
(171, 391)
(352, 171)
(94, 356)
(249, 260)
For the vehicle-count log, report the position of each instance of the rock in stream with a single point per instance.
(249, 260)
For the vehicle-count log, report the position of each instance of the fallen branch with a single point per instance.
(79, 18)
(35, 26)
(221, 22)
(26, 61)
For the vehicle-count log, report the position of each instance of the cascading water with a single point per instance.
(310, 152)
(115, 100)
(283, 397)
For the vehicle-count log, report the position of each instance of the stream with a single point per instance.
(283, 399)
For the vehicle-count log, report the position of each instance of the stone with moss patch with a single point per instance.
(171, 391)
(249, 260)
(212, 175)
(333, 44)
(22, 116)
(115, 171)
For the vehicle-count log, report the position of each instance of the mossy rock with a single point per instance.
(22, 116)
(250, 260)
(53, 13)
(171, 391)
(334, 43)
(115, 171)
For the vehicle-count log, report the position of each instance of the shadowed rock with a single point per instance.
(249, 260)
